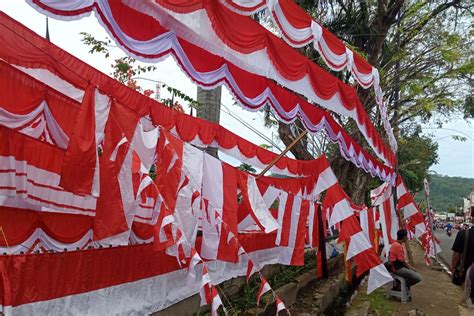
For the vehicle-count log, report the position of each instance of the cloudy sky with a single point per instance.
(455, 158)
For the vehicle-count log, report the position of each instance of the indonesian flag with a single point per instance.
(256, 203)
(280, 306)
(264, 288)
(219, 219)
(337, 201)
(416, 223)
(169, 168)
(137, 192)
(428, 241)
(292, 218)
(313, 231)
(382, 197)
(193, 262)
(117, 196)
(361, 251)
(250, 270)
(208, 293)
(187, 208)
(367, 223)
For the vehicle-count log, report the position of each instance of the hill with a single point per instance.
(446, 192)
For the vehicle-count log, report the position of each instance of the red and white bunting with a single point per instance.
(193, 262)
(208, 293)
(406, 203)
(382, 198)
(264, 288)
(183, 52)
(361, 251)
(299, 29)
(280, 306)
(338, 204)
(250, 270)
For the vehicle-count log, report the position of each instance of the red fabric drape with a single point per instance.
(19, 224)
(79, 163)
(200, 55)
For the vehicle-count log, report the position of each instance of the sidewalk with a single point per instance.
(435, 295)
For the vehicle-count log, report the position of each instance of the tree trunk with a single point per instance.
(299, 149)
(209, 108)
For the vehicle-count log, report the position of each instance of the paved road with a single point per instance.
(446, 244)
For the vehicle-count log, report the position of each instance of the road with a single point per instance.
(446, 244)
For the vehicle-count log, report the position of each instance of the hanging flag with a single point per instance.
(80, 160)
(280, 306)
(264, 288)
(382, 198)
(219, 192)
(337, 201)
(208, 293)
(249, 270)
(193, 262)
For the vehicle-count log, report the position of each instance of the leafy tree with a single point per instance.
(126, 69)
(416, 154)
(447, 193)
(423, 51)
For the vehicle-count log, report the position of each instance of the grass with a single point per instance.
(379, 304)
(246, 297)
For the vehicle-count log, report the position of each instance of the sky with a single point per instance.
(455, 158)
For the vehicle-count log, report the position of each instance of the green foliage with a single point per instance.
(97, 46)
(247, 168)
(446, 193)
(179, 94)
(379, 304)
(416, 154)
(126, 68)
(246, 297)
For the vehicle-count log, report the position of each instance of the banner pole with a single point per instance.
(4, 237)
(427, 195)
(296, 140)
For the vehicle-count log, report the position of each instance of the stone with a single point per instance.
(304, 279)
(288, 293)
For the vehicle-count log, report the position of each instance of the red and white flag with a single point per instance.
(219, 218)
(406, 203)
(382, 198)
(264, 288)
(250, 270)
(338, 203)
(363, 254)
(208, 293)
(193, 262)
(280, 306)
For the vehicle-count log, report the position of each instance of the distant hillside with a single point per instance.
(446, 193)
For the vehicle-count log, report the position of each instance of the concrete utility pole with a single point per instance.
(209, 108)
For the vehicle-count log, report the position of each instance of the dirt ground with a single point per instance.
(434, 296)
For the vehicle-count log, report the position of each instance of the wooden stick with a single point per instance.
(401, 221)
(297, 139)
(4, 237)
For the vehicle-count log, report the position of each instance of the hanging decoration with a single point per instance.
(198, 222)
(163, 37)
(298, 29)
